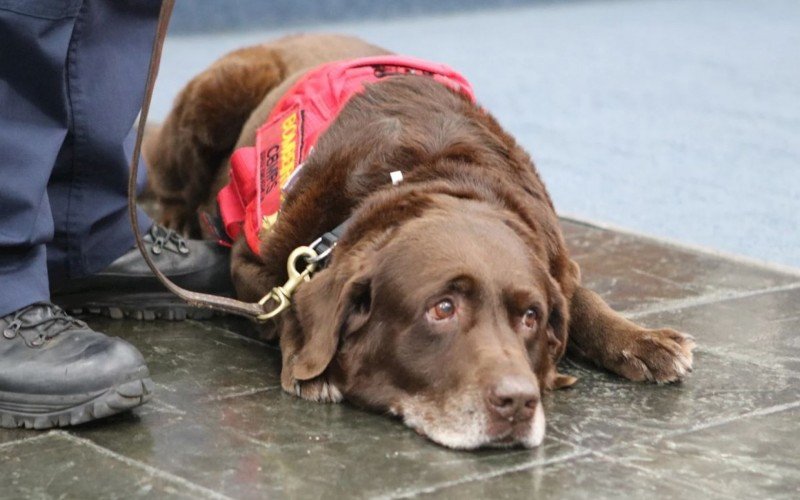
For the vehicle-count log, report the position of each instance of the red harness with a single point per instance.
(261, 175)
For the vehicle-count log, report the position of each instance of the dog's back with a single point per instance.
(220, 110)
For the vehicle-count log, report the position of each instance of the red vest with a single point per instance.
(261, 174)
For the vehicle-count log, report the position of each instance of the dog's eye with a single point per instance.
(444, 309)
(529, 318)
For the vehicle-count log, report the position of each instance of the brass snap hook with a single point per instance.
(282, 295)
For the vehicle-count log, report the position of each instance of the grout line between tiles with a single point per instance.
(698, 490)
(165, 407)
(706, 300)
(650, 440)
(28, 439)
(732, 353)
(761, 412)
(195, 488)
(247, 392)
(261, 444)
(273, 446)
(412, 492)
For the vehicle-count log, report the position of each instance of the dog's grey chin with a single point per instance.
(467, 430)
(464, 443)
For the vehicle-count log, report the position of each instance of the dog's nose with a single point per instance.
(513, 398)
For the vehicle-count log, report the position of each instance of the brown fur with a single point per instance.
(471, 222)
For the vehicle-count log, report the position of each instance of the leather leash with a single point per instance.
(251, 310)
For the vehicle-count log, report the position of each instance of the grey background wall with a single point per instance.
(193, 16)
(673, 118)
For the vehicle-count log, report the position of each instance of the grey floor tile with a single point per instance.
(582, 478)
(190, 361)
(52, 466)
(753, 457)
(604, 410)
(634, 273)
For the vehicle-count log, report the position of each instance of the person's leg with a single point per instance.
(92, 262)
(106, 69)
(54, 370)
(33, 125)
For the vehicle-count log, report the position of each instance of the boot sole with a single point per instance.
(119, 398)
(142, 306)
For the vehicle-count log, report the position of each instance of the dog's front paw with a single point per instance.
(318, 389)
(655, 356)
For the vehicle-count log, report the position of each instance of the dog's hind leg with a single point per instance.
(605, 337)
(202, 129)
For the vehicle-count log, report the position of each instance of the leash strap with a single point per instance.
(195, 299)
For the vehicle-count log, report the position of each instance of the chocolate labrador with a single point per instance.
(450, 296)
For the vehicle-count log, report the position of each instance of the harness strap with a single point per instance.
(224, 304)
(262, 174)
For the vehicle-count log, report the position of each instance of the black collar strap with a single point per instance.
(325, 244)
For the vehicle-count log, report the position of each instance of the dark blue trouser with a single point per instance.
(72, 77)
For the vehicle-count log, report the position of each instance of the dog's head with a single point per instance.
(449, 320)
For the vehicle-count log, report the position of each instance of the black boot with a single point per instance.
(128, 288)
(56, 371)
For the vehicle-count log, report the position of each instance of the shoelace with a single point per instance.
(164, 238)
(58, 320)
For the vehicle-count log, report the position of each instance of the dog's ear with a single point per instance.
(557, 322)
(327, 308)
(557, 332)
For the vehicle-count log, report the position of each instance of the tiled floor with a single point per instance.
(220, 427)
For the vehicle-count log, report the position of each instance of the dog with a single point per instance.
(450, 296)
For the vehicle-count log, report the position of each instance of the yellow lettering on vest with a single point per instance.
(288, 147)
